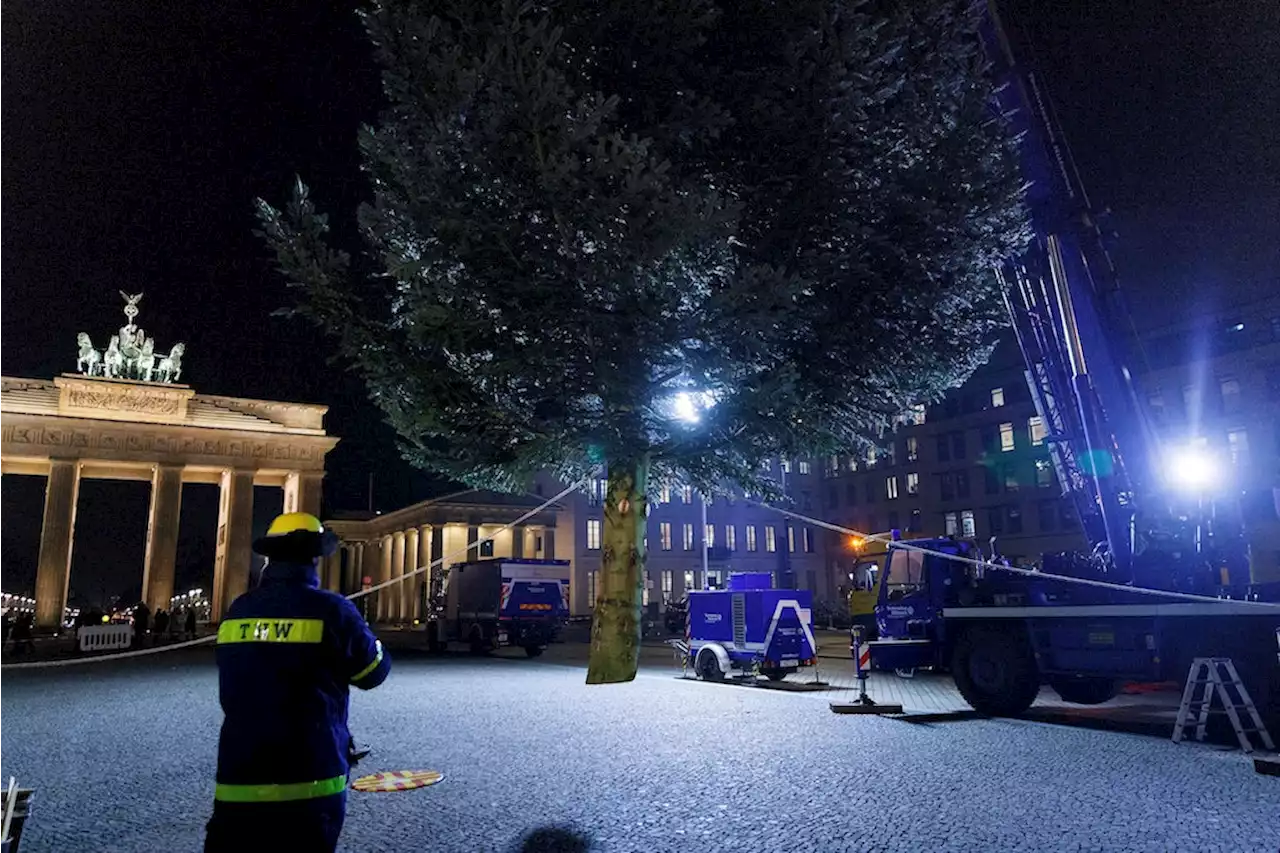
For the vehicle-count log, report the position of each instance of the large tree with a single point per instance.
(679, 236)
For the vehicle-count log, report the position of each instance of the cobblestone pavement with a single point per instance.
(122, 759)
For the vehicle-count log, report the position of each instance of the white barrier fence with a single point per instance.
(101, 638)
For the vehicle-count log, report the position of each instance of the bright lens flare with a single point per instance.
(1192, 468)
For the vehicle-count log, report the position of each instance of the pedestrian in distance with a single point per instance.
(141, 622)
(23, 635)
(190, 625)
(162, 625)
(288, 652)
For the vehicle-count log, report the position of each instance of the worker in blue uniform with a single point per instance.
(287, 653)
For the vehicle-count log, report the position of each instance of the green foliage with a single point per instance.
(580, 209)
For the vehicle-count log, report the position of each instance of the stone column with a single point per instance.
(356, 574)
(410, 586)
(425, 546)
(162, 536)
(395, 594)
(518, 534)
(473, 549)
(53, 571)
(549, 543)
(384, 575)
(532, 532)
(302, 491)
(235, 539)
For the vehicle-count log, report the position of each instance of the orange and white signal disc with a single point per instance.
(397, 780)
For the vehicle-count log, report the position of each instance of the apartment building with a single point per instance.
(974, 466)
(738, 537)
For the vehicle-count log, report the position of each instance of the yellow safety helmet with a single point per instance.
(296, 536)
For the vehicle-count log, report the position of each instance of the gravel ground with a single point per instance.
(122, 759)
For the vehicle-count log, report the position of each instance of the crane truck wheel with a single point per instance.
(995, 671)
(533, 651)
(1084, 691)
(708, 666)
(774, 674)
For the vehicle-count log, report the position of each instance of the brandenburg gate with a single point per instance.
(125, 417)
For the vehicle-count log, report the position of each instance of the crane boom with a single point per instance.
(1070, 321)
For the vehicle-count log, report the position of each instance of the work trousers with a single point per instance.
(305, 826)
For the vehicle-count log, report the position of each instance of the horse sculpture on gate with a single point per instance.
(90, 360)
(130, 354)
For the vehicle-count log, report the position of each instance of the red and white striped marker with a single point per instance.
(861, 653)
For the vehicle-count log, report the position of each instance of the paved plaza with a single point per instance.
(122, 757)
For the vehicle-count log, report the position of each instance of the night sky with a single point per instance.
(136, 136)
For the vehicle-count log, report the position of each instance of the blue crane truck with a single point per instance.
(750, 627)
(492, 603)
(1163, 579)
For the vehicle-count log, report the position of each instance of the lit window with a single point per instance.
(593, 533)
(1238, 443)
(915, 523)
(688, 537)
(591, 589)
(1044, 473)
(852, 463)
(770, 538)
(997, 397)
(751, 537)
(871, 457)
(664, 495)
(709, 535)
(666, 585)
(1230, 395)
(596, 492)
(1010, 478)
(1035, 427)
(686, 494)
(913, 448)
(917, 414)
(808, 540)
(690, 581)
(802, 467)
(791, 539)
(913, 483)
(833, 465)
(730, 537)
(891, 487)
(664, 535)
(951, 528)
(1006, 437)
(644, 591)
(786, 466)
(966, 523)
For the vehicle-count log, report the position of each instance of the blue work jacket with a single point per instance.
(287, 653)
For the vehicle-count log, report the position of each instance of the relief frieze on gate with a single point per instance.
(108, 443)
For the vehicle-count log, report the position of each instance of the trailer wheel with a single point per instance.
(1084, 691)
(774, 674)
(995, 671)
(533, 651)
(708, 666)
(476, 640)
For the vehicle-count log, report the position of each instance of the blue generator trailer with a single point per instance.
(752, 628)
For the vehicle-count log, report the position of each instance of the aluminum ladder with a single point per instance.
(1216, 675)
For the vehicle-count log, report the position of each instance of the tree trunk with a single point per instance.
(615, 629)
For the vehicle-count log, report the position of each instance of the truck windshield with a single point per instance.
(906, 573)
